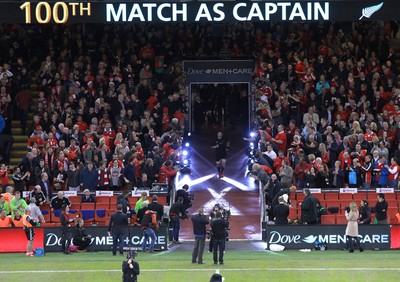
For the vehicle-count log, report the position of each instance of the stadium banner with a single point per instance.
(104, 193)
(395, 237)
(13, 240)
(102, 242)
(107, 11)
(384, 190)
(214, 71)
(348, 190)
(305, 236)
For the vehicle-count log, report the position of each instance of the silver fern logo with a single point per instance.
(367, 12)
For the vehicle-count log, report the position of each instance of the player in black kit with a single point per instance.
(221, 146)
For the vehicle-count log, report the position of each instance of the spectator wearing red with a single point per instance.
(280, 139)
(278, 161)
(103, 177)
(52, 141)
(167, 172)
(394, 170)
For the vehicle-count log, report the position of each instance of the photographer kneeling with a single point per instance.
(130, 268)
(186, 196)
(81, 238)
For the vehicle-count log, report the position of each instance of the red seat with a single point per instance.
(392, 203)
(87, 206)
(332, 203)
(331, 196)
(346, 197)
(319, 196)
(75, 199)
(103, 200)
(113, 202)
(328, 219)
(103, 206)
(359, 196)
(55, 216)
(390, 196)
(341, 219)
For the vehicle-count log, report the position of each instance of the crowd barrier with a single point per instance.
(373, 237)
(14, 239)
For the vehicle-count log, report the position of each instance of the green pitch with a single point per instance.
(176, 266)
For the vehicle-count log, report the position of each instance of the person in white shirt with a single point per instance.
(36, 213)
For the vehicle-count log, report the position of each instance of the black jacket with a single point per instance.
(177, 209)
(219, 226)
(130, 274)
(309, 211)
(381, 210)
(158, 208)
(199, 225)
(118, 221)
(365, 215)
(90, 199)
(281, 213)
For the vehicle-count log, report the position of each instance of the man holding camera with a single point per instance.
(187, 198)
(130, 268)
(176, 211)
(200, 231)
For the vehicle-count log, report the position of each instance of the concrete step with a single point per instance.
(20, 138)
(14, 161)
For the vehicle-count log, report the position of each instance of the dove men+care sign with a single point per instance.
(119, 11)
(333, 236)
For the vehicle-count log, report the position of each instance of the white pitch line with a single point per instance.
(206, 269)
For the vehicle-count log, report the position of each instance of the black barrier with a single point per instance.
(102, 242)
(305, 236)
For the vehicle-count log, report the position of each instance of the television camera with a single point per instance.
(225, 214)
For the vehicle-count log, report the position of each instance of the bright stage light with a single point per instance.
(185, 153)
(187, 144)
(252, 134)
(185, 162)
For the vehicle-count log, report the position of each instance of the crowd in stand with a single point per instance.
(327, 107)
(112, 102)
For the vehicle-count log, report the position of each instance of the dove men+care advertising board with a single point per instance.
(333, 236)
(111, 11)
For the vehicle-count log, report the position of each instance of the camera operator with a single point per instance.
(225, 214)
(187, 198)
(176, 212)
(130, 268)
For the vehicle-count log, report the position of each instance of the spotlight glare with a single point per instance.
(185, 162)
(184, 153)
(189, 134)
(252, 134)
(251, 145)
(187, 144)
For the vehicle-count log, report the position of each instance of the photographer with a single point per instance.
(81, 239)
(187, 198)
(130, 268)
(176, 212)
